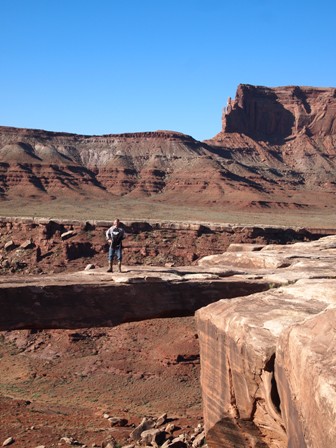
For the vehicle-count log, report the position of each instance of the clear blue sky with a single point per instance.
(107, 66)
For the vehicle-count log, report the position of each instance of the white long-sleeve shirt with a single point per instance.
(116, 235)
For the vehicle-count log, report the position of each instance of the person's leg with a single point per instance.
(110, 259)
(119, 257)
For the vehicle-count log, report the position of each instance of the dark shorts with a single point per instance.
(115, 252)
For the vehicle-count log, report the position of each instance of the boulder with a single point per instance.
(146, 423)
(89, 267)
(154, 437)
(161, 419)
(68, 234)
(10, 245)
(118, 421)
(28, 244)
(199, 440)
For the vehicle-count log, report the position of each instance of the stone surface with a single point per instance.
(291, 325)
(305, 370)
(105, 299)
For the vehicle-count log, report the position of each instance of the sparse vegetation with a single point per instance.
(142, 209)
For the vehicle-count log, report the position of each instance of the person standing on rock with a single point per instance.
(114, 235)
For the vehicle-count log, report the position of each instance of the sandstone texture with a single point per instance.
(105, 299)
(276, 149)
(268, 360)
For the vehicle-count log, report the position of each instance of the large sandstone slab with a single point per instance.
(97, 298)
(247, 401)
(305, 371)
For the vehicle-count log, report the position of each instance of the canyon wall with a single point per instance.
(273, 114)
(268, 360)
(276, 149)
(44, 245)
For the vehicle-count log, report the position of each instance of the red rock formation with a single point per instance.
(146, 243)
(272, 114)
(267, 360)
(101, 300)
(306, 383)
(276, 149)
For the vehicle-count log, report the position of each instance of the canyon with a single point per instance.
(276, 149)
(85, 342)
(216, 333)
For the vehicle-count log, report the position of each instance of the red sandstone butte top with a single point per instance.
(272, 114)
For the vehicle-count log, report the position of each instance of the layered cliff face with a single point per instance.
(268, 360)
(274, 114)
(276, 149)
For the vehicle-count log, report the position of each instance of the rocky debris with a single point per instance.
(10, 245)
(118, 421)
(89, 267)
(8, 441)
(263, 355)
(111, 443)
(161, 435)
(28, 244)
(67, 235)
(153, 437)
(161, 420)
(146, 243)
(199, 440)
(146, 424)
(70, 441)
(170, 428)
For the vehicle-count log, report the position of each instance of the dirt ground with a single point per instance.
(141, 209)
(59, 383)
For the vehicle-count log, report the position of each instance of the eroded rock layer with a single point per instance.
(277, 113)
(268, 360)
(276, 149)
(43, 245)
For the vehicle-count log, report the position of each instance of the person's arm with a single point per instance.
(108, 236)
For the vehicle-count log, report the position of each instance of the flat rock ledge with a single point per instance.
(268, 360)
(96, 298)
